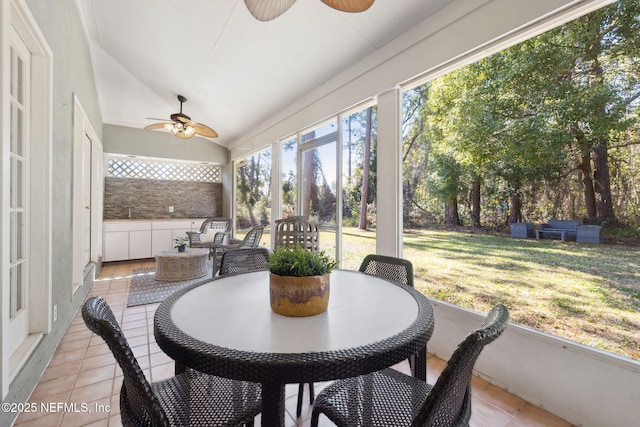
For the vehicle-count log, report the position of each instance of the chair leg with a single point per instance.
(314, 418)
(312, 397)
(300, 393)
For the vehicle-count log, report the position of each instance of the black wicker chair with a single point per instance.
(391, 398)
(238, 261)
(396, 269)
(191, 398)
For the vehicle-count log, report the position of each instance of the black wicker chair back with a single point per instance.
(238, 261)
(449, 402)
(137, 399)
(391, 398)
(191, 398)
(396, 269)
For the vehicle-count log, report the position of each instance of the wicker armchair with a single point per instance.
(395, 269)
(246, 260)
(391, 398)
(251, 240)
(218, 227)
(191, 398)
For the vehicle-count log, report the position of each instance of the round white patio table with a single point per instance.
(226, 328)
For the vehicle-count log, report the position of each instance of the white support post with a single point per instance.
(389, 157)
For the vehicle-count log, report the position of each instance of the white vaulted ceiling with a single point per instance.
(234, 70)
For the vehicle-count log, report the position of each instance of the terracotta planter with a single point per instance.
(299, 296)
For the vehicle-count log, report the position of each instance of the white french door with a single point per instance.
(20, 64)
(86, 200)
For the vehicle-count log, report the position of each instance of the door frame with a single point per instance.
(81, 127)
(16, 14)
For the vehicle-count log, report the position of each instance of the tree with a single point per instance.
(366, 163)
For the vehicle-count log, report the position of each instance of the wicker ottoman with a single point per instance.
(173, 266)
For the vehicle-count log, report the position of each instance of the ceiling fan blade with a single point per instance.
(354, 6)
(156, 125)
(266, 10)
(205, 130)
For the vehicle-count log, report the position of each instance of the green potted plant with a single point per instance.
(299, 281)
(180, 243)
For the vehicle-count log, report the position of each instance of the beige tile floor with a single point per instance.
(83, 372)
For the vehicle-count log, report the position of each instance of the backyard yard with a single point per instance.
(585, 293)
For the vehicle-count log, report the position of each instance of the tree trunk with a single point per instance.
(362, 225)
(307, 182)
(587, 183)
(602, 183)
(243, 185)
(475, 203)
(515, 208)
(451, 217)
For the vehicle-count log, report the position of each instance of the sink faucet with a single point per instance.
(129, 213)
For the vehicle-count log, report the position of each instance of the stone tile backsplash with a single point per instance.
(151, 198)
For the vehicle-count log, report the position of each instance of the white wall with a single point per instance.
(583, 385)
(140, 142)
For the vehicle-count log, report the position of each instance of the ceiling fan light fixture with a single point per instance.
(181, 125)
(189, 131)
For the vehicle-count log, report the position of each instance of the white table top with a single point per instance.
(235, 313)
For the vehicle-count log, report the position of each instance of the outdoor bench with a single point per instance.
(565, 229)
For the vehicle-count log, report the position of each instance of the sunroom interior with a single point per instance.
(94, 85)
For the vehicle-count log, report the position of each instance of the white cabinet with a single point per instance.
(140, 244)
(126, 240)
(136, 239)
(161, 240)
(116, 246)
(165, 231)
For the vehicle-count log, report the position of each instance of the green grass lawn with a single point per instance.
(586, 293)
(582, 292)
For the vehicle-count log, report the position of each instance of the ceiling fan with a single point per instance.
(266, 10)
(182, 126)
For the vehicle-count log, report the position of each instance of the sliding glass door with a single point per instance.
(320, 188)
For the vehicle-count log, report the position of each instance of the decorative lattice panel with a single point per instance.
(150, 169)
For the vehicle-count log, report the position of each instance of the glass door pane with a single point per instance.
(253, 195)
(318, 191)
(288, 190)
(359, 186)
